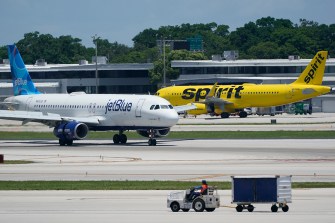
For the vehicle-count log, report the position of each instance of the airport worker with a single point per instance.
(204, 187)
(198, 190)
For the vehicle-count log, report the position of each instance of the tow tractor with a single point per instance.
(183, 200)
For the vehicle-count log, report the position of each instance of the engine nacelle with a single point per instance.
(71, 130)
(157, 133)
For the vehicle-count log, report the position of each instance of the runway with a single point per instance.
(186, 160)
(309, 206)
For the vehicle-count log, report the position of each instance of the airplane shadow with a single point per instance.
(86, 143)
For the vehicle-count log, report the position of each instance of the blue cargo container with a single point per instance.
(247, 190)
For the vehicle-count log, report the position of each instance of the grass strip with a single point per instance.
(17, 162)
(130, 185)
(185, 135)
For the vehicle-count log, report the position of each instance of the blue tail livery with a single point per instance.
(22, 83)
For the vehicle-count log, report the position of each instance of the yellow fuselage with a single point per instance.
(243, 96)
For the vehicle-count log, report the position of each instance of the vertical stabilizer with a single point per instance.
(22, 83)
(313, 73)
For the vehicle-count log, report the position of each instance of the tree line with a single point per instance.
(266, 38)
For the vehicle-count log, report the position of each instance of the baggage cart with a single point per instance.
(248, 190)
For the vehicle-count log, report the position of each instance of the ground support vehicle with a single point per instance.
(247, 190)
(180, 200)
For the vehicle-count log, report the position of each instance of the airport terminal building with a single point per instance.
(134, 78)
(62, 78)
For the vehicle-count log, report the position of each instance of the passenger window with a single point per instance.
(156, 107)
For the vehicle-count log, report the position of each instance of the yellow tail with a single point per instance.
(313, 73)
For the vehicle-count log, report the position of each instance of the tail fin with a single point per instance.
(22, 83)
(313, 73)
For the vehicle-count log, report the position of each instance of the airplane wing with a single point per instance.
(9, 105)
(182, 108)
(216, 101)
(45, 118)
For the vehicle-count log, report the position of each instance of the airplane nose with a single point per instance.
(171, 118)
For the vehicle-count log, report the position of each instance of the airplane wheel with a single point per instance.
(116, 139)
(123, 138)
(69, 142)
(61, 142)
(152, 142)
(224, 115)
(243, 114)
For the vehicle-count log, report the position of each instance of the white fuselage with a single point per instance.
(112, 110)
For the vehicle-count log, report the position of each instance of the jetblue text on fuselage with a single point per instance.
(118, 105)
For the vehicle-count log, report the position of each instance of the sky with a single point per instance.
(121, 20)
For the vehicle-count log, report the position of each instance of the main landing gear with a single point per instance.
(63, 142)
(152, 141)
(120, 138)
(242, 114)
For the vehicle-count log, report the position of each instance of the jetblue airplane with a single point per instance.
(73, 115)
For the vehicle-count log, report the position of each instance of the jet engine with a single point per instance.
(71, 130)
(201, 109)
(157, 133)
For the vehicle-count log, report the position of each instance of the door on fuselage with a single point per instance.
(139, 108)
(28, 103)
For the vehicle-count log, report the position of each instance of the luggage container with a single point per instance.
(247, 190)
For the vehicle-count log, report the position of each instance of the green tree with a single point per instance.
(3, 52)
(156, 74)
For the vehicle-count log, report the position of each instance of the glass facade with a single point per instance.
(248, 70)
(132, 77)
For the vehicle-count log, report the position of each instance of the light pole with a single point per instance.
(95, 41)
(164, 69)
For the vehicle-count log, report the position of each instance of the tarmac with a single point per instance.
(186, 160)
(308, 206)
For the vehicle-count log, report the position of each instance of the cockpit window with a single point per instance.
(156, 107)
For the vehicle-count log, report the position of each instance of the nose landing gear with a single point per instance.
(152, 141)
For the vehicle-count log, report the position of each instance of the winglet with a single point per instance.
(22, 83)
(211, 93)
(313, 73)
